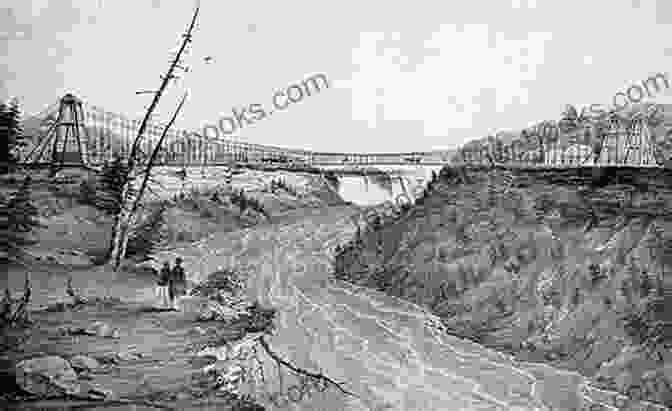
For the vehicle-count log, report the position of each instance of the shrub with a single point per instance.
(260, 319)
(148, 236)
(207, 213)
(87, 193)
(649, 325)
(11, 135)
(18, 219)
(243, 202)
(224, 280)
(109, 193)
(282, 185)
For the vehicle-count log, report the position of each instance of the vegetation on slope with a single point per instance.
(548, 272)
(11, 135)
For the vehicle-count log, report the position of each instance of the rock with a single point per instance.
(206, 315)
(217, 311)
(83, 363)
(47, 377)
(199, 330)
(192, 305)
(57, 307)
(658, 384)
(128, 356)
(203, 361)
(101, 329)
(90, 391)
(117, 357)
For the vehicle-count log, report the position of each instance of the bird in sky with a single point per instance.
(208, 59)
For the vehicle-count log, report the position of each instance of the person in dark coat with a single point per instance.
(178, 281)
(162, 286)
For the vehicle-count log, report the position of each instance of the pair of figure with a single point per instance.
(171, 284)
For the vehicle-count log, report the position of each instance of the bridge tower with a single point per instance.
(62, 143)
(628, 144)
(639, 146)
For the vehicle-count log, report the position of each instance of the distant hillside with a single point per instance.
(580, 134)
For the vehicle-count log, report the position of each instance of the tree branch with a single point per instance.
(164, 84)
(157, 148)
(321, 377)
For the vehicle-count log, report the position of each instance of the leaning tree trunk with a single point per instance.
(127, 218)
(122, 226)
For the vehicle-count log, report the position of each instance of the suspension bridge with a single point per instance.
(73, 133)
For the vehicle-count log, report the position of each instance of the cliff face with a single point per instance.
(550, 268)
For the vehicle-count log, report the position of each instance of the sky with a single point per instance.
(403, 76)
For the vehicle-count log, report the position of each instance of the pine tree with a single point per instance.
(110, 191)
(18, 218)
(148, 236)
(5, 145)
(11, 134)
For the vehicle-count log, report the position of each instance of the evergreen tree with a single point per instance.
(5, 145)
(109, 196)
(18, 218)
(148, 236)
(11, 134)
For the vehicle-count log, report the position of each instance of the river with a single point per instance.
(391, 354)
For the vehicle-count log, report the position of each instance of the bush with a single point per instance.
(650, 326)
(243, 202)
(282, 185)
(110, 190)
(18, 219)
(207, 213)
(87, 193)
(183, 236)
(260, 319)
(148, 236)
(98, 257)
(224, 280)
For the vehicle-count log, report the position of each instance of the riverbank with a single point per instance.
(520, 264)
(390, 353)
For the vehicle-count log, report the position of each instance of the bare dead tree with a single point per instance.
(125, 219)
(128, 215)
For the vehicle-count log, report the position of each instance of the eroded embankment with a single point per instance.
(547, 266)
(391, 353)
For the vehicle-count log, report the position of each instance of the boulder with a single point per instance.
(102, 329)
(216, 311)
(118, 357)
(659, 384)
(231, 351)
(128, 356)
(91, 391)
(47, 377)
(82, 363)
(199, 331)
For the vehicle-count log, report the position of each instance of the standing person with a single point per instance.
(162, 290)
(178, 281)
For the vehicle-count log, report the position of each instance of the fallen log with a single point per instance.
(300, 371)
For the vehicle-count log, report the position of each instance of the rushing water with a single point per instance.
(392, 354)
(372, 190)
